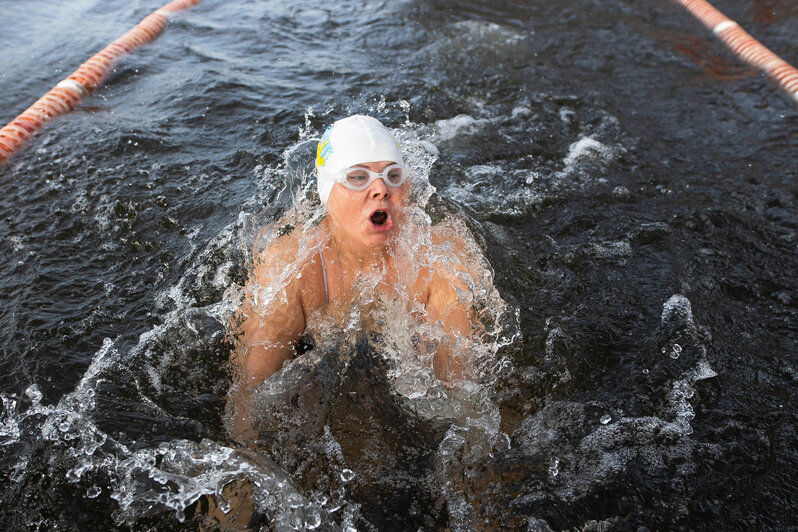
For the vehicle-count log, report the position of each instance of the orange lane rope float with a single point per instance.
(746, 47)
(68, 93)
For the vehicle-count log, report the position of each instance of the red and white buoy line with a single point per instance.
(746, 47)
(84, 81)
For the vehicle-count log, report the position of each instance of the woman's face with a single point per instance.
(364, 219)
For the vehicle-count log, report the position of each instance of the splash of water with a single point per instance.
(399, 346)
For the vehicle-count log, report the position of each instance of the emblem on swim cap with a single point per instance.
(325, 148)
(353, 140)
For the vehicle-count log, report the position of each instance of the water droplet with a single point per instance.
(313, 518)
(645, 371)
(347, 475)
(606, 418)
(664, 350)
(34, 394)
(674, 355)
(224, 505)
(677, 348)
(554, 467)
(93, 492)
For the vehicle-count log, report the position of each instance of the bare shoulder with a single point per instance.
(285, 256)
(279, 252)
(457, 251)
(453, 233)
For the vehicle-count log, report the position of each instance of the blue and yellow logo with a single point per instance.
(325, 149)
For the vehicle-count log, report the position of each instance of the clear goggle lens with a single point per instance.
(359, 178)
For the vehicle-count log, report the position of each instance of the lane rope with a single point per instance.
(744, 46)
(69, 92)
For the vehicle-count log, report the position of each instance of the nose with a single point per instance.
(379, 189)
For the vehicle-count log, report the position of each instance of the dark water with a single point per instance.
(633, 186)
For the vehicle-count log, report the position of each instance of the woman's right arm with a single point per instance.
(267, 338)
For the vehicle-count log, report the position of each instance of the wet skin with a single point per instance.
(359, 226)
(351, 211)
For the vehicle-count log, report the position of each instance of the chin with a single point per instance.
(376, 241)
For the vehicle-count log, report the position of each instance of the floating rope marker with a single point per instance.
(75, 86)
(68, 93)
(726, 24)
(744, 46)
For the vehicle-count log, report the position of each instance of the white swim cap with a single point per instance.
(353, 140)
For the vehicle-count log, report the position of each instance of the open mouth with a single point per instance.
(379, 218)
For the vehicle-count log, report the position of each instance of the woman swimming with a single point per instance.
(362, 179)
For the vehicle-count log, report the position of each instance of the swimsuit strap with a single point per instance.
(324, 275)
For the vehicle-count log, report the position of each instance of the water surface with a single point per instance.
(632, 184)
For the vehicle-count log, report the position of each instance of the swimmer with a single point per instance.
(362, 179)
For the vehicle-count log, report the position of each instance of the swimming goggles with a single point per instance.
(359, 178)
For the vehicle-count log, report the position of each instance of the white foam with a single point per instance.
(471, 190)
(611, 250)
(488, 34)
(587, 149)
(430, 148)
(677, 307)
(521, 111)
(567, 115)
(103, 212)
(17, 243)
(533, 176)
(621, 192)
(456, 126)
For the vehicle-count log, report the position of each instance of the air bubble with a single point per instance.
(606, 418)
(347, 475)
(620, 192)
(93, 492)
(313, 518)
(645, 371)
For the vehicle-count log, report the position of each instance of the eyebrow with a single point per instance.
(363, 165)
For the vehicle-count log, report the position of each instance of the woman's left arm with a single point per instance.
(447, 308)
